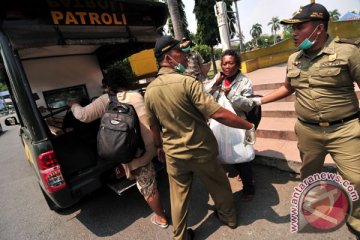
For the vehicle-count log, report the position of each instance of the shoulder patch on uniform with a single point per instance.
(349, 41)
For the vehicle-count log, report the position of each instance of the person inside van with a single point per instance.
(141, 169)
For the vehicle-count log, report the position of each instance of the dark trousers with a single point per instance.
(246, 175)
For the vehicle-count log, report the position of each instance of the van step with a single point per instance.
(122, 186)
(122, 183)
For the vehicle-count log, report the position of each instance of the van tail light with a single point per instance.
(50, 172)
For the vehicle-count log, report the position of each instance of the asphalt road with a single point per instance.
(104, 215)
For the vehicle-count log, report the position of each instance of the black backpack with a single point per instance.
(254, 115)
(119, 138)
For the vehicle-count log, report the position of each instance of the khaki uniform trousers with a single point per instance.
(211, 173)
(342, 142)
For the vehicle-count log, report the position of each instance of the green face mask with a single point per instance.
(180, 68)
(306, 44)
(186, 49)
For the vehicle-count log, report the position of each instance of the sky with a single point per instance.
(262, 11)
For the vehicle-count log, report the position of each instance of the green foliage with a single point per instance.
(265, 41)
(207, 31)
(275, 25)
(217, 53)
(249, 45)
(3, 87)
(255, 32)
(288, 31)
(334, 15)
(204, 50)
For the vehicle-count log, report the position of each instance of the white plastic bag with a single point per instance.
(232, 148)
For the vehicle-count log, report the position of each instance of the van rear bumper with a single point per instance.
(69, 196)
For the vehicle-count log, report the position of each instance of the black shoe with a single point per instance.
(247, 197)
(191, 233)
(232, 226)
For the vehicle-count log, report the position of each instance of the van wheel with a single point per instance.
(50, 203)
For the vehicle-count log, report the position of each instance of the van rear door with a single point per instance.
(55, 46)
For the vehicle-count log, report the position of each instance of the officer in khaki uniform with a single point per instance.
(322, 75)
(178, 110)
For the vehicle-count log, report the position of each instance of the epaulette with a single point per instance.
(349, 41)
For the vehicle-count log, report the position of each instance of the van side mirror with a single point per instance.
(11, 121)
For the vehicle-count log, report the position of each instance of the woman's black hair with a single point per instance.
(231, 52)
(115, 80)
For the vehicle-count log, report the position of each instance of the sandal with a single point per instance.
(153, 221)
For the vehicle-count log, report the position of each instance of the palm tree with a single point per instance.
(334, 15)
(175, 18)
(183, 20)
(275, 25)
(256, 31)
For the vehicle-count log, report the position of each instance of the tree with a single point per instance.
(288, 31)
(175, 18)
(334, 15)
(275, 25)
(183, 21)
(256, 31)
(207, 30)
(206, 20)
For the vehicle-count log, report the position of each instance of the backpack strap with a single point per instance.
(140, 140)
(113, 98)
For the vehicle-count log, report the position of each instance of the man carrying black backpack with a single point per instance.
(140, 168)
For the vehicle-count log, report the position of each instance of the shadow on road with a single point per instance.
(118, 212)
(105, 214)
(261, 207)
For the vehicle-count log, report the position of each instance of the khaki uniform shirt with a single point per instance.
(178, 103)
(96, 110)
(324, 83)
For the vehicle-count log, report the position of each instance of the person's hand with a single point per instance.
(160, 154)
(226, 90)
(72, 102)
(219, 79)
(250, 136)
(256, 100)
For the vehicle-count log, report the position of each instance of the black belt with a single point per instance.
(326, 124)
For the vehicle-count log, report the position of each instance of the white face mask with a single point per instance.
(306, 44)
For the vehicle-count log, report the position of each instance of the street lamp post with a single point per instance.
(221, 15)
(238, 23)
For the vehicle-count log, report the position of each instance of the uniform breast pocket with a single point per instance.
(329, 72)
(294, 76)
(328, 76)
